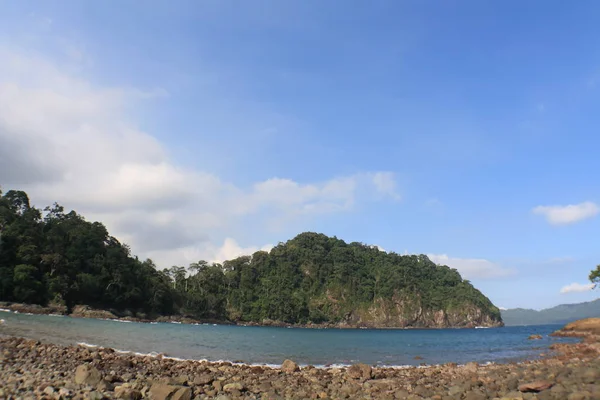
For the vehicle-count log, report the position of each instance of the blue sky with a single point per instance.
(206, 129)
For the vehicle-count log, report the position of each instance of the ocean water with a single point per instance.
(271, 346)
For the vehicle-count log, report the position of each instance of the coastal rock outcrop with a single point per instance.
(83, 311)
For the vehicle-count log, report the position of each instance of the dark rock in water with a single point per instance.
(536, 386)
(289, 366)
(87, 375)
(418, 358)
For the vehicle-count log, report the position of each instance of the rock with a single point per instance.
(223, 397)
(162, 391)
(184, 393)
(418, 358)
(536, 386)
(579, 396)
(471, 366)
(454, 390)
(49, 390)
(230, 387)
(591, 375)
(95, 396)
(181, 380)
(475, 396)
(360, 371)
(204, 379)
(218, 385)
(126, 393)
(289, 366)
(64, 392)
(87, 375)
(534, 337)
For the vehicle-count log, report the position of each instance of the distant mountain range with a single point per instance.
(561, 314)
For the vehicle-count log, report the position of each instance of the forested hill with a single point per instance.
(58, 257)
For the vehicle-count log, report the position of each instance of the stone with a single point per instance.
(87, 375)
(162, 391)
(579, 396)
(49, 390)
(204, 379)
(183, 393)
(64, 392)
(289, 366)
(218, 385)
(127, 393)
(181, 380)
(223, 397)
(95, 396)
(536, 386)
(471, 366)
(475, 396)
(534, 337)
(230, 387)
(360, 371)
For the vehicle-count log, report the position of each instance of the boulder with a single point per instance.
(127, 393)
(162, 391)
(534, 337)
(230, 387)
(360, 371)
(87, 375)
(535, 387)
(183, 393)
(204, 379)
(289, 366)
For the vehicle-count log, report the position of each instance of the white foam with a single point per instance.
(175, 322)
(2, 321)
(84, 344)
(4, 310)
(55, 315)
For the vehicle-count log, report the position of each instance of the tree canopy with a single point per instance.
(53, 256)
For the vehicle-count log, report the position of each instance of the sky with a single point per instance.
(466, 130)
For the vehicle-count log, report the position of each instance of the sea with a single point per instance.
(272, 345)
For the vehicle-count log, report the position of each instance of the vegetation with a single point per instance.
(57, 257)
(595, 276)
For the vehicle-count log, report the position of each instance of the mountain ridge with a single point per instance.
(560, 314)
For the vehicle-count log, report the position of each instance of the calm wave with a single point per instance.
(267, 345)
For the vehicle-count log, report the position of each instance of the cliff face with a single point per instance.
(411, 313)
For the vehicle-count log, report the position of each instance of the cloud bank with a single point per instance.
(65, 139)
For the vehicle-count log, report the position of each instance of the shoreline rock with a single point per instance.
(84, 311)
(32, 369)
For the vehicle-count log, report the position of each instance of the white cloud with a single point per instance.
(502, 308)
(577, 288)
(385, 184)
(64, 139)
(472, 268)
(562, 215)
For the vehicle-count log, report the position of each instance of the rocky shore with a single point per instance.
(31, 369)
(83, 311)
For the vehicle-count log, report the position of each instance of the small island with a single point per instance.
(65, 264)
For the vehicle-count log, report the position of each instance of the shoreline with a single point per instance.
(46, 370)
(82, 311)
(97, 373)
